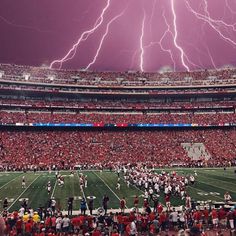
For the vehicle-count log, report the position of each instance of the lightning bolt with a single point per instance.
(211, 22)
(142, 43)
(228, 6)
(167, 31)
(183, 55)
(211, 58)
(152, 14)
(103, 38)
(133, 58)
(217, 22)
(84, 36)
(220, 26)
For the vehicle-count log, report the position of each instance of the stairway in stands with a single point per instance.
(196, 151)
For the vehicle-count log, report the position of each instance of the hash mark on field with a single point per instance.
(108, 187)
(200, 190)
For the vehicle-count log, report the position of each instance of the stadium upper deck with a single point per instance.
(204, 78)
(54, 84)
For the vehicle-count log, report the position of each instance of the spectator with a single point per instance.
(70, 205)
(105, 201)
(65, 224)
(83, 206)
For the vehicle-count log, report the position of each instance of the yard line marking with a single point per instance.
(82, 190)
(208, 183)
(54, 188)
(108, 187)
(22, 193)
(10, 181)
(204, 191)
(216, 179)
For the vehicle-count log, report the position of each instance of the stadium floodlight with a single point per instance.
(26, 76)
(165, 80)
(1, 74)
(212, 78)
(142, 79)
(51, 77)
(98, 79)
(119, 79)
(165, 69)
(188, 79)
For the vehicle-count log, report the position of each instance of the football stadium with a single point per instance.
(106, 140)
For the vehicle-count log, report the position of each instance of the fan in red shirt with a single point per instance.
(131, 216)
(145, 203)
(222, 217)
(152, 216)
(159, 208)
(162, 220)
(127, 230)
(19, 226)
(76, 222)
(197, 216)
(96, 232)
(28, 227)
(205, 215)
(115, 233)
(144, 223)
(214, 215)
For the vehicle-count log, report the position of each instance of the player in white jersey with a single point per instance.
(81, 182)
(156, 187)
(118, 186)
(192, 179)
(85, 181)
(49, 187)
(23, 184)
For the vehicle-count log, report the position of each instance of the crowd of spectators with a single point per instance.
(151, 220)
(118, 104)
(43, 74)
(125, 90)
(20, 149)
(113, 118)
(186, 223)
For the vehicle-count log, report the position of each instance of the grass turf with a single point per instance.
(211, 184)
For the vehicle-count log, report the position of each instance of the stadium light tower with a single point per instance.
(1, 74)
(26, 76)
(51, 77)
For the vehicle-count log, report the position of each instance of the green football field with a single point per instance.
(211, 184)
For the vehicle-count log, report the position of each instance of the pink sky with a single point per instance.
(37, 32)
